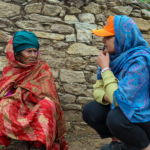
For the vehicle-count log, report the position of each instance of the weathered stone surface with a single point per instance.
(68, 126)
(45, 19)
(84, 100)
(56, 63)
(86, 18)
(29, 25)
(101, 2)
(141, 4)
(62, 13)
(57, 54)
(142, 24)
(76, 3)
(32, 1)
(74, 88)
(71, 76)
(93, 59)
(20, 1)
(61, 45)
(92, 8)
(111, 4)
(51, 10)
(55, 73)
(75, 63)
(4, 37)
(88, 93)
(84, 33)
(73, 116)
(93, 78)
(51, 36)
(59, 28)
(97, 42)
(72, 107)
(44, 42)
(73, 10)
(81, 49)
(91, 68)
(33, 8)
(122, 10)
(109, 13)
(145, 14)
(68, 98)
(71, 38)
(3, 62)
(100, 17)
(9, 10)
(52, 1)
(136, 13)
(71, 19)
(45, 50)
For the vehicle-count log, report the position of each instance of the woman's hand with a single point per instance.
(103, 59)
(105, 99)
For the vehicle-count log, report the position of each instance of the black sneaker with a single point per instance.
(114, 146)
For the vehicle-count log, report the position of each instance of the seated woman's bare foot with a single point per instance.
(24, 145)
(43, 147)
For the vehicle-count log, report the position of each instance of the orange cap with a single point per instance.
(108, 29)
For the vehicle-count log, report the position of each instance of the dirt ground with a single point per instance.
(77, 140)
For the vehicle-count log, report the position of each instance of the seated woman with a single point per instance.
(122, 106)
(29, 107)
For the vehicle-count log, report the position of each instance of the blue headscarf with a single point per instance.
(131, 65)
(23, 40)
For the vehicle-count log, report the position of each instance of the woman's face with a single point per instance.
(109, 43)
(28, 56)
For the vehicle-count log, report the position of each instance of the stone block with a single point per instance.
(4, 37)
(51, 10)
(71, 19)
(9, 10)
(72, 107)
(86, 18)
(52, 1)
(3, 62)
(71, 38)
(46, 19)
(122, 10)
(88, 93)
(92, 8)
(145, 14)
(70, 76)
(84, 100)
(67, 99)
(73, 116)
(81, 49)
(51, 36)
(91, 68)
(64, 29)
(29, 25)
(33, 8)
(75, 63)
(73, 10)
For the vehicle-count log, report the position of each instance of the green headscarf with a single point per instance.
(23, 40)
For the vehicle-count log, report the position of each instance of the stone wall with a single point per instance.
(66, 42)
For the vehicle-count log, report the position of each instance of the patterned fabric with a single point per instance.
(23, 40)
(131, 65)
(33, 111)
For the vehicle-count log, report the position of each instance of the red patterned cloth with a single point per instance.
(33, 111)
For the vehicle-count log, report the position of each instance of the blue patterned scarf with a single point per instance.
(131, 65)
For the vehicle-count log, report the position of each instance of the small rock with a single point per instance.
(100, 17)
(62, 13)
(88, 93)
(91, 68)
(145, 14)
(84, 100)
(73, 10)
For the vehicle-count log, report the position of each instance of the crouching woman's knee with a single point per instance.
(114, 121)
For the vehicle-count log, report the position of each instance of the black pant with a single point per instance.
(113, 123)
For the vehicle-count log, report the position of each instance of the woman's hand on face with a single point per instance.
(103, 59)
